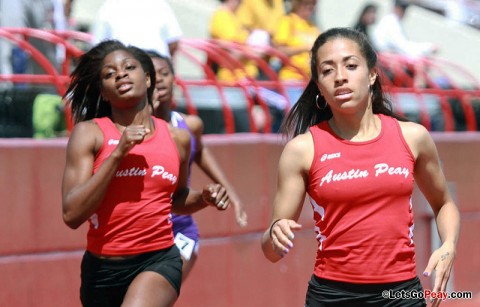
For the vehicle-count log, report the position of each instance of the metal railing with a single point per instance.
(438, 94)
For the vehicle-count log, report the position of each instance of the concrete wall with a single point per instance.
(40, 256)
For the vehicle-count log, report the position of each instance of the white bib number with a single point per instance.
(185, 245)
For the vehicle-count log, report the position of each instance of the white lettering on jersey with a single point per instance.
(132, 172)
(159, 170)
(382, 168)
(351, 174)
(113, 142)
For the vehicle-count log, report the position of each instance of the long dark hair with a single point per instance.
(305, 112)
(83, 92)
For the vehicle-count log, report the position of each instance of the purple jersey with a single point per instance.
(185, 223)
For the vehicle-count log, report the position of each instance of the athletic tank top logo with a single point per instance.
(380, 169)
(330, 156)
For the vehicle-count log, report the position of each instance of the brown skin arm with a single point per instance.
(207, 163)
(188, 201)
(82, 192)
(293, 168)
(431, 181)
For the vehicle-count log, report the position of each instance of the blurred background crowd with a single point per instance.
(256, 50)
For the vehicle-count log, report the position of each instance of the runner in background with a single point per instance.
(184, 227)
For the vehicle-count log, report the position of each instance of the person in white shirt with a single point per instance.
(389, 35)
(152, 25)
(36, 14)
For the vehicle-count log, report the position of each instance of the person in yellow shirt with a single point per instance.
(294, 36)
(261, 14)
(261, 18)
(225, 25)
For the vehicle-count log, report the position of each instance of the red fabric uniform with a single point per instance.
(134, 216)
(361, 196)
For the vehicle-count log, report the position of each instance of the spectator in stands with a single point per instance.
(184, 227)
(225, 26)
(125, 171)
(152, 24)
(366, 19)
(357, 161)
(71, 22)
(37, 14)
(261, 15)
(261, 19)
(389, 35)
(294, 36)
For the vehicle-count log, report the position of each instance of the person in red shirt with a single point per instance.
(125, 172)
(357, 161)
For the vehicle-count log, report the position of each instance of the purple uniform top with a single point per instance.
(185, 223)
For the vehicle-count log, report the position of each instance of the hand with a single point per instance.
(282, 235)
(442, 262)
(216, 195)
(131, 136)
(240, 214)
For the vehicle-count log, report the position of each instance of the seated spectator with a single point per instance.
(366, 19)
(294, 36)
(39, 14)
(225, 25)
(389, 35)
(261, 18)
(261, 14)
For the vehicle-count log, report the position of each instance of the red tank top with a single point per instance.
(361, 197)
(134, 216)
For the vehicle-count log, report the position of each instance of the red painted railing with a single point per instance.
(433, 90)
